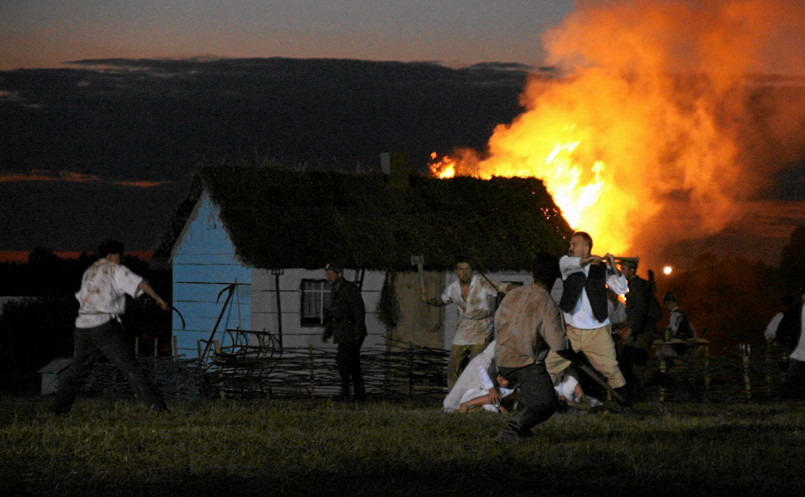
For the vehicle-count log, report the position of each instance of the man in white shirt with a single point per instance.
(787, 301)
(679, 328)
(98, 330)
(475, 299)
(585, 280)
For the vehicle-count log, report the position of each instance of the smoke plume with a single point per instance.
(667, 116)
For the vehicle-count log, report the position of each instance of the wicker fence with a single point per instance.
(405, 371)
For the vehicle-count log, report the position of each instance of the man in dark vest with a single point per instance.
(789, 335)
(345, 322)
(584, 303)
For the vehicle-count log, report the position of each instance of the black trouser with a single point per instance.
(633, 364)
(795, 380)
(108, 340)
(348, 361)
(536, 401)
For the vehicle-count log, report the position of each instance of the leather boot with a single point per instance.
(626, 403)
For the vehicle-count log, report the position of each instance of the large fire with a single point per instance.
(643, 137)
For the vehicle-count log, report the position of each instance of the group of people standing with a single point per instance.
(525, 341)
(539, 344)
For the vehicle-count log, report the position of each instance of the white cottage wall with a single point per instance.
(264, 311)
(204, 264)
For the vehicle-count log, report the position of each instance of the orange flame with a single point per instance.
(643, 140)
(443, 168)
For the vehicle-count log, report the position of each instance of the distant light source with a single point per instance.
(667, 270)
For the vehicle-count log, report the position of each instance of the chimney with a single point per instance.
(395, 166)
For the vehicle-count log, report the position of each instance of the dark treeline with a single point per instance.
(45, 274)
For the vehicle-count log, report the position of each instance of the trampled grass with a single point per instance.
(318, 447)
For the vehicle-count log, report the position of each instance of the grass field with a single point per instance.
(318, 447)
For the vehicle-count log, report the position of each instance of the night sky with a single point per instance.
(100, 140)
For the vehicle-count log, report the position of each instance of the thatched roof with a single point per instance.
(279, 218)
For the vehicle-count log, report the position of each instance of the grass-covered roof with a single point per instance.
(279, 218)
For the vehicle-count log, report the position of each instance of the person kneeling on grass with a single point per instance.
(475, 386)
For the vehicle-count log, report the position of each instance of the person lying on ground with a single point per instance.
(475, 386)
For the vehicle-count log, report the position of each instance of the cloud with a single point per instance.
(141, 184)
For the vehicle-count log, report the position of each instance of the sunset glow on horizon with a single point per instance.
(38, 33)
(21, 256)
(73, 177)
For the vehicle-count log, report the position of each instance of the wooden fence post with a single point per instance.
(410, 369)
(706, 371)
(745, 352)
(768, 368)
(312, 370)
(221, 384)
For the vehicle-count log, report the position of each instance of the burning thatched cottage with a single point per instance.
(248, 245)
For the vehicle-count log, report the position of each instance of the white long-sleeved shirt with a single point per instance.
(771, 329)
(474, 380)
(476, 314)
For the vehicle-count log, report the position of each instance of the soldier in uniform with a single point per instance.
(642, 315)
(345, 323)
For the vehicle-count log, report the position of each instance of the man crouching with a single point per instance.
(529, 324)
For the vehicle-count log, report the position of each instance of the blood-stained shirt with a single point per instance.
(476, 314)
(528, 324)
(102, 296)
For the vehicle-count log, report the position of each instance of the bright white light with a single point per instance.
(667, 270)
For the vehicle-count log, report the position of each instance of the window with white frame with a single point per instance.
(315, 298)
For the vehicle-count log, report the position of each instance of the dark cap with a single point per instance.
(335, 267)
(629, 262)
(670, 297)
